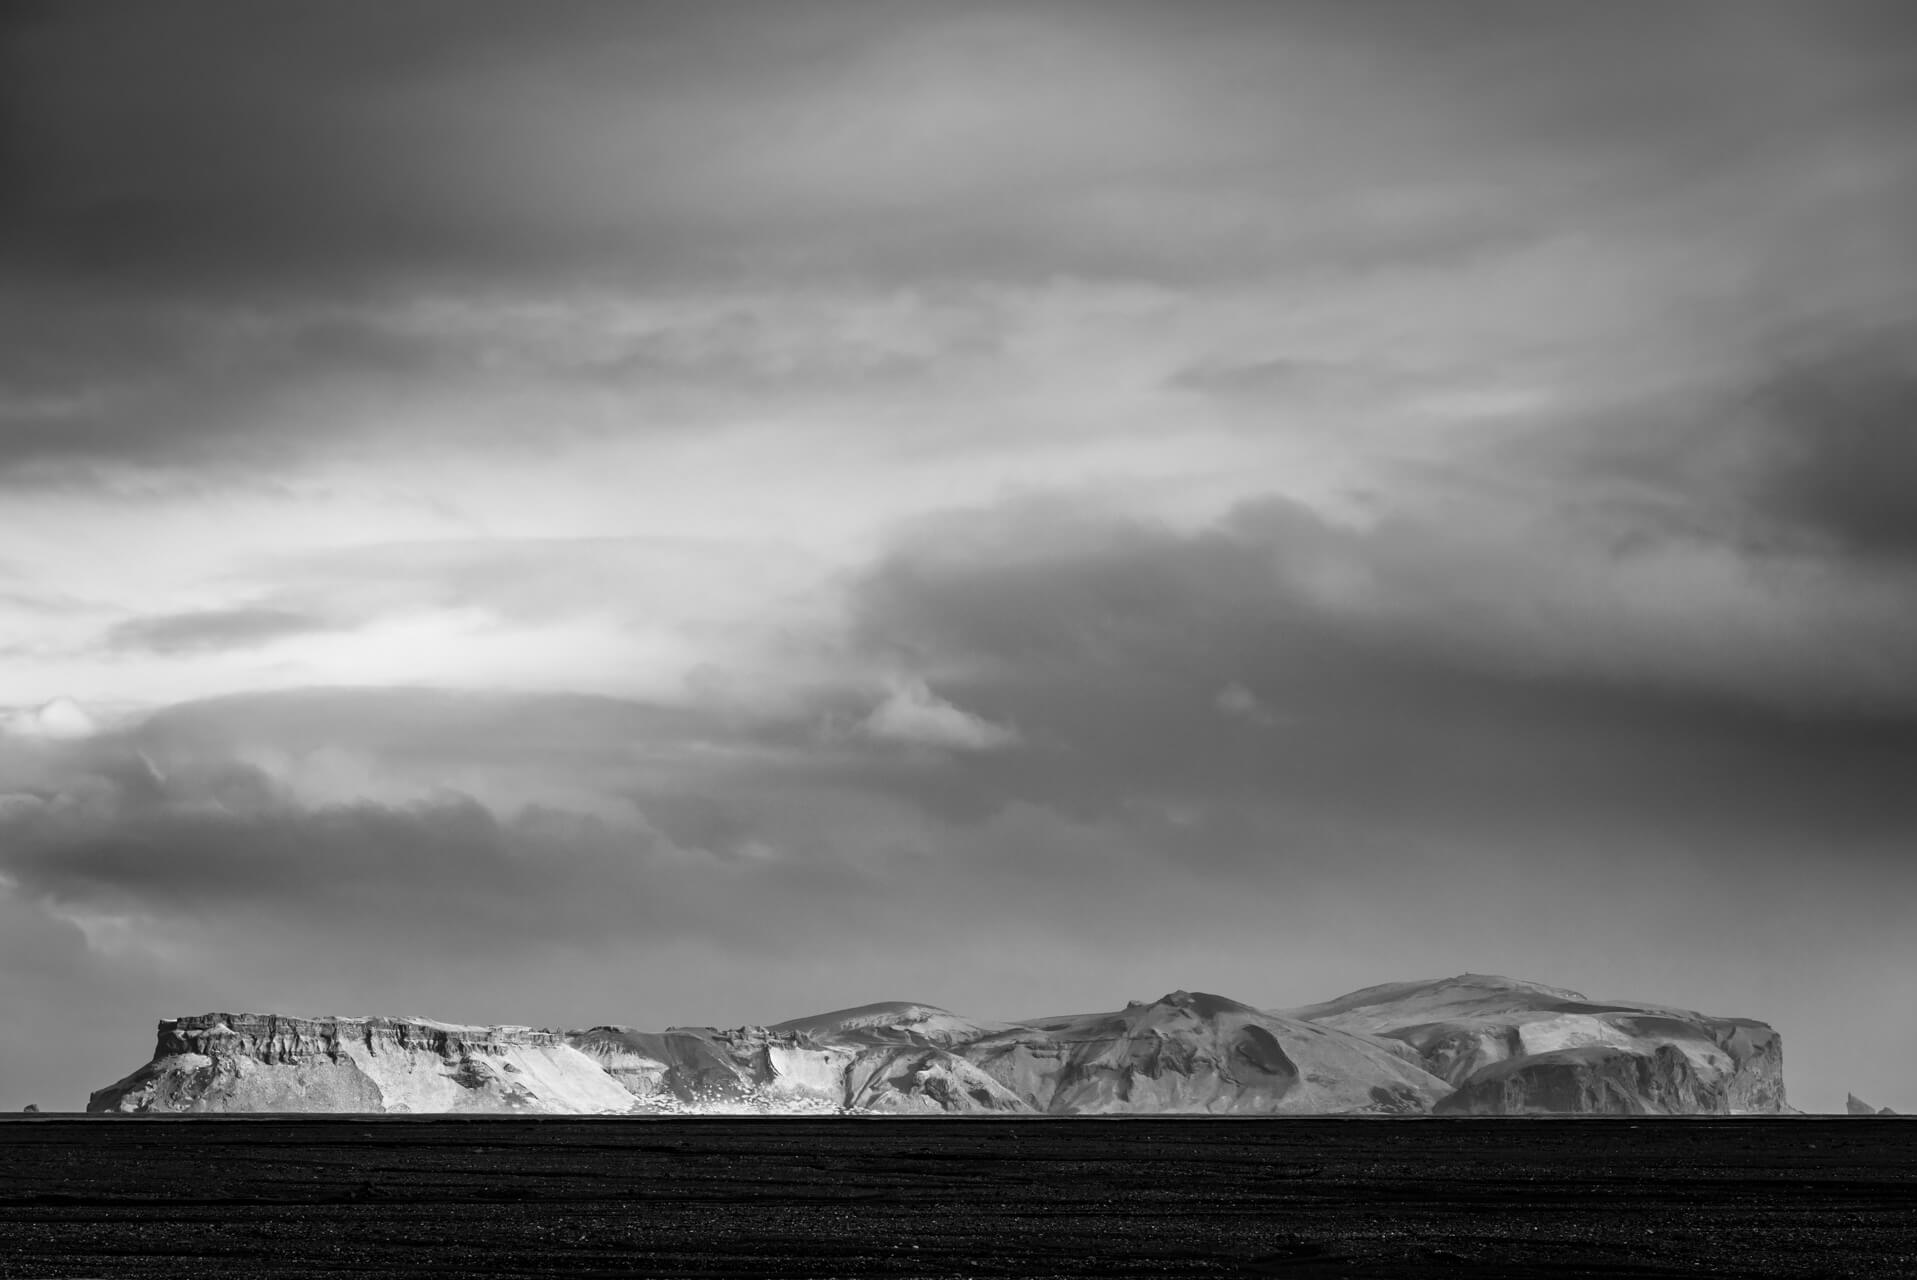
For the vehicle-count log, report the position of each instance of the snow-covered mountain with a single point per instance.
(1471, 1044)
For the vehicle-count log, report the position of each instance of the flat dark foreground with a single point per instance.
(181, 1196)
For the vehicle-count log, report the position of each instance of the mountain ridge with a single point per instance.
(1472, 1044)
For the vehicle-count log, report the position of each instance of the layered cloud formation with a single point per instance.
(634, 513)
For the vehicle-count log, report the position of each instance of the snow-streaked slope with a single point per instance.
(890, 1022)
(1509, 1045)
(1396, 1004)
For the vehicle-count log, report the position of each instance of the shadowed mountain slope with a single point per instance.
(1193, 1052)
(1508, 1046)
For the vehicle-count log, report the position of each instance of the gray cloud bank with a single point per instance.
(438, 137)
(1412, 799)
(219, 207)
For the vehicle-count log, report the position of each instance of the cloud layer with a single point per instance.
(655, 513)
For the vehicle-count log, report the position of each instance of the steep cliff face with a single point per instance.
(254, 1062)
(1473, 1044)
(1513, 1047)
(1590, 1080)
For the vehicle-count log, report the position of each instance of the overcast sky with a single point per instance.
(703, 513)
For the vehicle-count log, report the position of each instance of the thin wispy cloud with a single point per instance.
(211, 629)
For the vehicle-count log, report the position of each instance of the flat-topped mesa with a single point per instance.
(268, 1062)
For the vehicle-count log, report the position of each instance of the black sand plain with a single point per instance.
(505, 1196)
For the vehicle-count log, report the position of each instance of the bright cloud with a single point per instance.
(911, 713)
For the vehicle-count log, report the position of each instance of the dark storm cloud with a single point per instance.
(1840, 426)
(218, 387)
(212, 630)
(578, 829)
(157, 382)
(231, 144)
(713, 782)
(265, 148)
(1113, 643)
(46, 970)
(444, 816)
(226, 841)
(259, 146)
(194, 184)
(174, 819)
(1797, 449)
